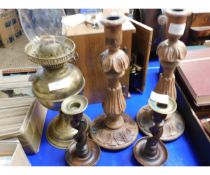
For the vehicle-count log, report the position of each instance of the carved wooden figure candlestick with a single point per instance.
(114, 129)
(170, 52)
(83, 152)
(150, 151)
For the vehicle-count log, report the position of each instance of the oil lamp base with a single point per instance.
(114, 139)
(173, 127)
(91, 158)
(60, 133)
(155, 160)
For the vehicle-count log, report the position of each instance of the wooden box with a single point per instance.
(25, 121)
(12, 154)
(20, 114)
(141, 47)
(199, 28)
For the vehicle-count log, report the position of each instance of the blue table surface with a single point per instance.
(180, 152)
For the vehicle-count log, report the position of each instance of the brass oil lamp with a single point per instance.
(57, 79)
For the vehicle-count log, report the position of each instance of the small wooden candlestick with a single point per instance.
(114, 130)
(83, 152)
(150, 151)
(170, 52)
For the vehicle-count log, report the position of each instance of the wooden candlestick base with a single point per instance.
(89, 160)
(173, 127)
(155, 159)
(114, 139)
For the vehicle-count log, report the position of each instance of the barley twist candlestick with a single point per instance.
(114, 130)
(150, 151)
(80, 137)
(83, 152)
(170, 52)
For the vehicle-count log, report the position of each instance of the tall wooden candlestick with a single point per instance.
(170, 52)
(114, 129)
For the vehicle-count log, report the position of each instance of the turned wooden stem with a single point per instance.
(169, 68)
(114, 119)
(114, 83)
(81, 137)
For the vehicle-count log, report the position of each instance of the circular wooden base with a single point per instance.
(60, 135)
(91, 159)
(158, 159)
(114, 139)
(173, 127)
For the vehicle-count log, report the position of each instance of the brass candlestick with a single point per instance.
(170, 52)
(114, 130)
(56, 81)
(150, 151)
(83, 152)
